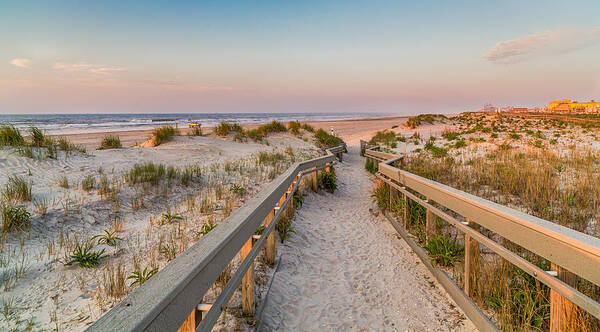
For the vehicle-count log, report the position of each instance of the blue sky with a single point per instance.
(267, 56)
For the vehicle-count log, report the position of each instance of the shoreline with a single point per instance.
(350, 130)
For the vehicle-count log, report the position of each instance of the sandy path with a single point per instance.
(345, 269)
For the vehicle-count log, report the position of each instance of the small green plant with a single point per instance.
(260, 230)
(140, 277)
(308, 128)
(298, 200)
(237, 189)
(514, 136)
(328, 181)
(110, 142)
(168, 218)
(14, 218)
(444, 251)
(83, 256)
(284, 226)
(109, 238)
(206, 228)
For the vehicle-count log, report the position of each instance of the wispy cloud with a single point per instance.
(541, 44)
(86, 67)
(20, 62)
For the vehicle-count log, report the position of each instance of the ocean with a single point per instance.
(63, 124)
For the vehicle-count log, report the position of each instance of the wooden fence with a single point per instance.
(571, 253)
(172, 299)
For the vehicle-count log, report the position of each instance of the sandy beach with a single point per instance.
(81, 199)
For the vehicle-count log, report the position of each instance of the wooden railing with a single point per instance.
(571, 253)
(172, 299)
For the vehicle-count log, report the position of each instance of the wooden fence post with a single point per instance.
(270, 244)
(406, 211)
(471, 261)
(430, 224)
(563, 313)
(189, 325)
(247, 282)
(315, 180)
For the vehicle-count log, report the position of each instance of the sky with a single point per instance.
(401, 57)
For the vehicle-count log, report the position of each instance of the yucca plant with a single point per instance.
(169, 218)
(83, 256)
(108, 238)
(140, 277)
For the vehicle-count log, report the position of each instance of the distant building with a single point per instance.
(568, 106)
(488, 107)
(520, 109)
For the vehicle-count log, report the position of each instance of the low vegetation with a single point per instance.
(110, 142)
(163, 134)
(325, 140)
(328, 181)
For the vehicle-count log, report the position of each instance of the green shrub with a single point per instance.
(163, 134)
(326, 140)
(328, 181)
(451, 135)
(14, 217)
(460, 144)
(298, 200)
(444, 251)
(10, 136)
(110, 142)
(109, 238)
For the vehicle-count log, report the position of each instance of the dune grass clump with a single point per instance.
(147, 172)
(325, 140)
(381, 195)
(308, 128)
(88, 183)
(37, 137)
(255, 134)
(272, 127)
(224, 128)
(196, 131)
(17, 188)
(294, 127)
(163, 134)
(371, 166)
(10, 136)
(110, 142)
(385, 137)
(14, 218)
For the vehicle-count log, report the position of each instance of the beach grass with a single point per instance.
(163, 134)
(10, 136)
(110, 142)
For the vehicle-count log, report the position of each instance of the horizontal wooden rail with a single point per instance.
(574, 251)
(165, 301)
